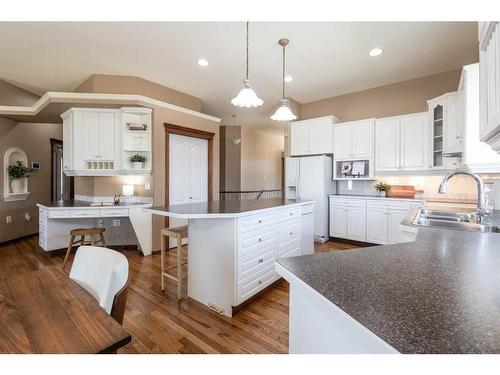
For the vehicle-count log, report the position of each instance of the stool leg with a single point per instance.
(162, 260)
(179, 266)
(92, 240)
(70, 246)
(103, 241)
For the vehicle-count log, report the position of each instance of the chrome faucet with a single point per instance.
(482, 209)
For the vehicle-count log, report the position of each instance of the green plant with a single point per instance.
(18, 171)
(137, 158)
(383, 187)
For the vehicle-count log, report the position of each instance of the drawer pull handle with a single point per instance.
(260, 221)
(291, 213)
(260, 239)
(261, 260)
(291, 233)
(260, 282)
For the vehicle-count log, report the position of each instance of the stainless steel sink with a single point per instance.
(452, 220)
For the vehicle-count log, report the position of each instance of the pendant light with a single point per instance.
(283, 113)
(247, 97)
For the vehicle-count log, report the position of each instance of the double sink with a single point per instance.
(453, 220)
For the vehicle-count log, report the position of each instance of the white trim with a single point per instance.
(96, 98)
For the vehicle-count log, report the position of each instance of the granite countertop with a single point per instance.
(86, 204)
(439, 294)
(229, 208)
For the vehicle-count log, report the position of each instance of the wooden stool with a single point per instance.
(178, 233)
(82, 232)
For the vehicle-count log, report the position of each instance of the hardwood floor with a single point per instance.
(158, 324)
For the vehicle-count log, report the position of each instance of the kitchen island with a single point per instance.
(439, 294)
(233, 245)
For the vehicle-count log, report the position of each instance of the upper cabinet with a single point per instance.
(445, 131)
(489, 75)
(313, 136)
(99, 141)
(353, 140)
(401, 142)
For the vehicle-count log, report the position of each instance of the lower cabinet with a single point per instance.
(369, 220)
(348, 218)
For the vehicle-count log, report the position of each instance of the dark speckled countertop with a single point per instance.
(439, 294)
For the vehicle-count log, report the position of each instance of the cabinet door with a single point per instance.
(453, 130)
(356, 223)
(395, 234)
(106, 138)
(342, 141)
(376, 225)
(362, 139)
(387, 144)
(300, 142)
(321, 137)
(338, 221)
(437, 118)
(414, 142)
(87, 134)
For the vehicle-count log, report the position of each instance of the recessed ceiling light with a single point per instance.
(376, 52)
(202, 62)
(288, 79)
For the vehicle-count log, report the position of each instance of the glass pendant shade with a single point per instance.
(283, 113)
(247, 97)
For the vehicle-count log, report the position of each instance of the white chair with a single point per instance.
(104, 274)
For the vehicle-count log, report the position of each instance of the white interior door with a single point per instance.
(188, 173)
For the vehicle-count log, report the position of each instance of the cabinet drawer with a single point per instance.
(58, 213)
(289, 249)
(255, 222)
(289, 214)
(254, 284)
(113, 212)
(387, 203)
(289, 231)
(83, 213)
(252, 264)
(252, 242)
(343, 201)
(307, 209)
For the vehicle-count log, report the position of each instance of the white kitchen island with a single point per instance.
(233, 245)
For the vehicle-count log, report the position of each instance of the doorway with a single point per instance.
(62, 187)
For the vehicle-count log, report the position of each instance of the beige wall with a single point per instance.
(261, 159)
(391, 100)
(113, 84)
(13, 95)
(230, 159)
(34, 139)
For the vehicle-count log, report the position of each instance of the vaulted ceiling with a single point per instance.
(325, 58)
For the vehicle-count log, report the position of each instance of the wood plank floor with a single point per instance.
(158, 324)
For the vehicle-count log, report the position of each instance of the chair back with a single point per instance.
(104, 273)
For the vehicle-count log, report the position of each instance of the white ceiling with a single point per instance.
(325, 58)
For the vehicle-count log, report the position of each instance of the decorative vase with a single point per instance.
(17, 185)
(137, 165)
(383, 194)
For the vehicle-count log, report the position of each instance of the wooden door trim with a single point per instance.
(193, 133)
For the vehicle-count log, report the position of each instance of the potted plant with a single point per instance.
(18, 173)
(383, 188)
(137, 161)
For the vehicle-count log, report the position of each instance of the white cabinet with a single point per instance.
(376, 225)
(348, 218)
(353, 140)
(100, 141)
(383, 220)
(489, 73)
(312, 137)
(401, 142)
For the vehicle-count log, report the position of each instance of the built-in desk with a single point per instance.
(58, 218)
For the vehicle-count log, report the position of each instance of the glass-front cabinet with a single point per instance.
(437, 120)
